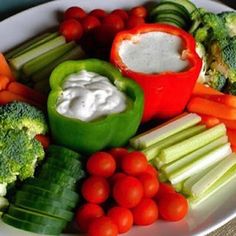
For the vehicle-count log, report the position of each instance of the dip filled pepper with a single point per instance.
(162, 60)
(75, 119)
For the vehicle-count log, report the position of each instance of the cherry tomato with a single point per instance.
(121, 13)
(71, 29)
(139, 11)
(150, 184)
(173, 206)
(99, 13)
(86, 214)
(164, 188)
(117, 176)
(101, 164)
(105, 34)
(114, 21)
(152, 170)
(122, 217)
(146, 212)
(134, 21)
(103, 226)
(128, 191)
(95, 189)
(74, 13)
(89, 23)
(134, 163)
(118, 153)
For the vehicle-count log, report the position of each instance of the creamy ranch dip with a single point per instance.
(87, 96)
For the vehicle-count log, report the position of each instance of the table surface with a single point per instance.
(10, 7)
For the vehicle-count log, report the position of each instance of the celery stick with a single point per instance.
(162, 177)
(213, 175)
(180, 149)
(164, 131)
(178, 187)
(158, 163)
(226, 178)
(154, 150)
(75, 53)
(191, 157)
(19, 61)
(201, 163)
(32, 43)
(46, 58)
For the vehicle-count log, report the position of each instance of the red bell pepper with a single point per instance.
(166, 93)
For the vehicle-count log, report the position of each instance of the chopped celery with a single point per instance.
(158, 163)
(180, 149)
(164, 131)
(46, 58)
(162, 177)
(226, 178)
(201, 163)
(18, 61)
(178, 187)
(153, 150)
(191, 157)
(213, 175)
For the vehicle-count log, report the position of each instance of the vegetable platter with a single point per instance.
(200, 220)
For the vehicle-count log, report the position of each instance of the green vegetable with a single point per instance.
(22, 116)
(3, 189)
(3, 203)
(215, 79)
(229, 19)
(109, 131)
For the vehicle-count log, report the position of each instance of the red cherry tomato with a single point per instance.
(101, 164)
(74, 13)
(114, 21)
(89, 23)
(99, 13)
(71, 29)
(146, 212)
(139, 11)
(118, 153)
(122, 217)
(128, 191)
(117, 176)
(152, 170)
(134, 21)
(164, 188)
(103, 226)
(95, 189)
(86, 214)
(150, 184)
(121, 13)
(173, 206)
(134, 163)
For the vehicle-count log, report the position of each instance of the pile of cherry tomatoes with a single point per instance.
(123, 190)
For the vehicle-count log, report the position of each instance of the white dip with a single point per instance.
(153, 52)
(87, 96)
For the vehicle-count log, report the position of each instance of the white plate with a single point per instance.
(214, 212)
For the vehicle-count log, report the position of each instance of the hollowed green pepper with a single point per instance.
(109, 131)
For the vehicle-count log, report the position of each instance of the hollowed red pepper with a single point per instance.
(166, 93)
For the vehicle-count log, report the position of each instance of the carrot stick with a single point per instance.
(5, 68)
(44, 140)
(232, 136)
(211, 108)
(201, 89)
(209, 121)
(4, 81)
(27, 92)
(230, 124)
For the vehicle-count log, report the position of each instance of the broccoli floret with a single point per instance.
(19, 154)
(196, 17)
(19, 115)
(229, 19)
(215, 79)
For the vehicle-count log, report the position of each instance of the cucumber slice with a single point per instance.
(171, 18)
(35, 217)
(180, 149)
(28, 226)
(154, 150)
(188, 5)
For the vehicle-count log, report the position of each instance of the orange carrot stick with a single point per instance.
(27, 92)
(44, 140)
(5, 68)
(230, 124)
(201, 89)
(232, 136)
(209, 121)
(4, 81)
(211, 108)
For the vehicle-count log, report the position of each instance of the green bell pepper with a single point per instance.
(109, 131)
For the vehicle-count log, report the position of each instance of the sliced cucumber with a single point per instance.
(188, 5)
(171, 19)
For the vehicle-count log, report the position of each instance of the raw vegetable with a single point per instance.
(164, 94)
(91, 136)
(4, 81)
(201, 90)
(4, 67)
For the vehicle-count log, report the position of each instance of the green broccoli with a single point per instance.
(19, 115)
(215, 79)
(19, 154)
(229, 19)
(196, 17)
